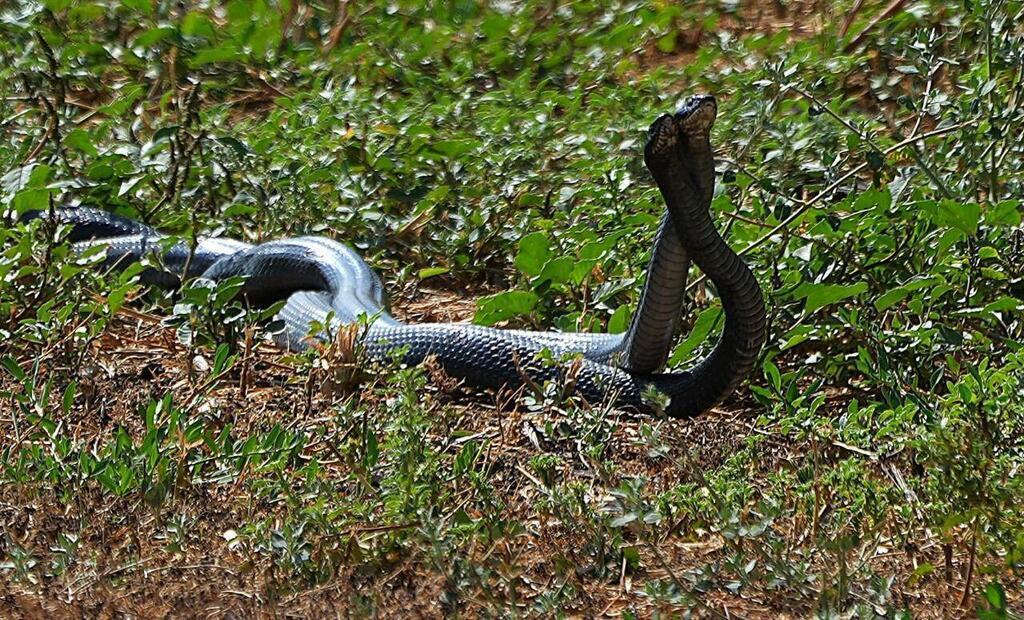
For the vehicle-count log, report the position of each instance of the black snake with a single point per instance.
(326, 282)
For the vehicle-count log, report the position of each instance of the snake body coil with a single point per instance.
(326, 282)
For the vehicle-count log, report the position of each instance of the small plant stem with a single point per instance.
(845, 28)
(815, 525)
(888, 12)
(993, 171)
(243, 381)
(916, 152)
(1015, 89)
(970, 564)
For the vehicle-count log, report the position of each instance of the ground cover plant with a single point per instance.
(159, 458)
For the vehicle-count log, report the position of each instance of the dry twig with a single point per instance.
(893, 8)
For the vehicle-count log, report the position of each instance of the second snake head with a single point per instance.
(692, 122)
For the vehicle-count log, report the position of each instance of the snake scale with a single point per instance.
(326, 282)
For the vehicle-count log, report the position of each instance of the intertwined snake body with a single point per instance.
(326, 282)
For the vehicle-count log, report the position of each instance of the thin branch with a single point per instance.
(341, 21)
(893, 8)
(852, 15)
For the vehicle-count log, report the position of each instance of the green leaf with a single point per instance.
(430, 272)
(992, 274)
(988, 253)
(705, 322)
(495, 26)
(117, 297)
(225, 52)
(32, 182)
(619, 321)
(947, 240)
(878, 200)
(996, 596)
(235, 144)
(955, 519)
(372, 454)
(151, 37)
(80, 141)
(12, 367)
(960, 216)
(69, 397)
(222, 359)
(142, 6)
(818, 296)
(39, 177)
(129, 95)
(581, 269)
(558, 270)
(196, 24)
(503, 306)
(31, 200)
(891, 297)
(530, 200)
(667, 43)
(921, 571)
(1004, 304)
(454, 148)
(799, 333)
(771, 371)
(239, 209)
(466, 457)
(534, 253)
(1005, 213)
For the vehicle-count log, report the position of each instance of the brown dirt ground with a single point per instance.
(800, 19)
(135, 575)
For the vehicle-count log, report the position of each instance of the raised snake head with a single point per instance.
(690, 124)
(679, 147)
(695, 117)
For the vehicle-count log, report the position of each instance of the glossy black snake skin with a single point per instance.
(326, 282)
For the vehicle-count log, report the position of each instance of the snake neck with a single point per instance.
(648, 341)
(744, 333)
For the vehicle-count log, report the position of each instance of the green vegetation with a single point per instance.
(157, 455)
